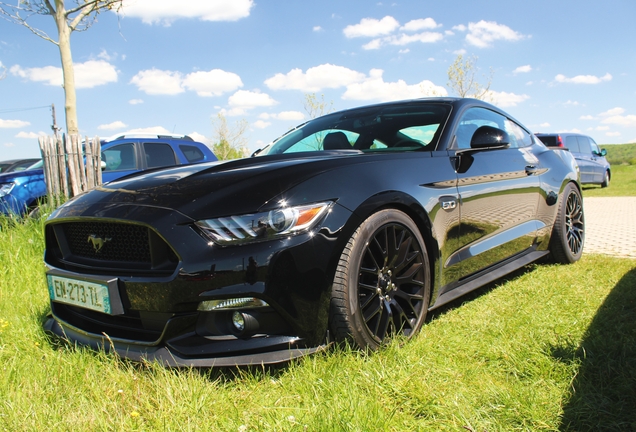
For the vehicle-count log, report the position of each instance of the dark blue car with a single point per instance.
(20, 192)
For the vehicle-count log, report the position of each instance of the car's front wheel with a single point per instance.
(382, 283)
(568, 233)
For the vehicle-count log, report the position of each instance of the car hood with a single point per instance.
(217, 188)
(11, 176)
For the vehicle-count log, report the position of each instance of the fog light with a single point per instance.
(238, 320)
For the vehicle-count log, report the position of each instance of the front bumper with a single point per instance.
(278, 349)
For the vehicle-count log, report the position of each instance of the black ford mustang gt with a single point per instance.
(350, 227)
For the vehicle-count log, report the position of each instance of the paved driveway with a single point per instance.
(610, 226)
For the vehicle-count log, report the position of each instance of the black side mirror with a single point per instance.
(488, 137)
(603, 152)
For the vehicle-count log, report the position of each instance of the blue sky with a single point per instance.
(168, 66)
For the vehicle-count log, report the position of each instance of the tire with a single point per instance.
(568, 233)
(382, 282)
(606, 180)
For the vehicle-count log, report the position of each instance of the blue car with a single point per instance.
(21, 192)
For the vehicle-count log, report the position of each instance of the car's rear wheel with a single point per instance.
(568, 233)
(382, 283)
(606, 179)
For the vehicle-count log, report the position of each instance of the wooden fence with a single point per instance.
(71, 166)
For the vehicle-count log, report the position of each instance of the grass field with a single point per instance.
(549, 348)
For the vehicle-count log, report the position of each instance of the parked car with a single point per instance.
(21, 192)
(350, 227)
(595, 169)
(13, 165)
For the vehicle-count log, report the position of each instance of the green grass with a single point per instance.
(623, 183)
(550, 348)
(618, 154)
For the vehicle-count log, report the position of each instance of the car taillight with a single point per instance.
(559, 141)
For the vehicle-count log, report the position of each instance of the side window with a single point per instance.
(518, 136)
(584, 145)
(472, 119)
(120, 157)
(572, 144)
(595, 148)
(192, 154)
(159, 155)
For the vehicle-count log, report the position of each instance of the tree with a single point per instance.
(316, 107)
(80, 17)
(230, 143)
(461, 79)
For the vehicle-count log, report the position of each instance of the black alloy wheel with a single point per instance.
(382, 284)
(568, 235)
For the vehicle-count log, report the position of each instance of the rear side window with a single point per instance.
(584, 144)
(159, 155)
(572, 144)
(192, 154)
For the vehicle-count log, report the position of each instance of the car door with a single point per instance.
(499, 192)
(596, 160)
(581, 153)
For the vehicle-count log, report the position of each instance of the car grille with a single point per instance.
(108, 248)
(119, 242)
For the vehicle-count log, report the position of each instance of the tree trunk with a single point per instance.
(64, 44)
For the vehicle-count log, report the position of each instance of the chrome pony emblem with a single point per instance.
(98, 242)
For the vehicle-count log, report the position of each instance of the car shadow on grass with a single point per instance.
(603, 394)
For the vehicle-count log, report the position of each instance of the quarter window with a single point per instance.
(192, 154)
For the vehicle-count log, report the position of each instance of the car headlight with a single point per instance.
(281, 222)
(6, 188)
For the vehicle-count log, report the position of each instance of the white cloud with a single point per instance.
(583, 79)
(13, 124)
(261, 124)
(420, 24)
(136, 101)
(522, 69)
(375, 88)
(369, 27)
(404, 39)
(158, 82)
(483, 33)
(545, 125)
(212, 83)
(205, 83)
(613, 134)
(315, 79)
(200, 138)
(504, 99)
(587, 117)
(612, 112)
(602, 128)
(245, 100)
(30, 135)
(9, 145)
(317, 29)
(167, 11)
(89, 74)
(460, 27)
(628, 120)
(112, 126)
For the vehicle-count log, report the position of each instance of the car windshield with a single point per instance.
(373, 129)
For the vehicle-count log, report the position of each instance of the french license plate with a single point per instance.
(80, 293)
